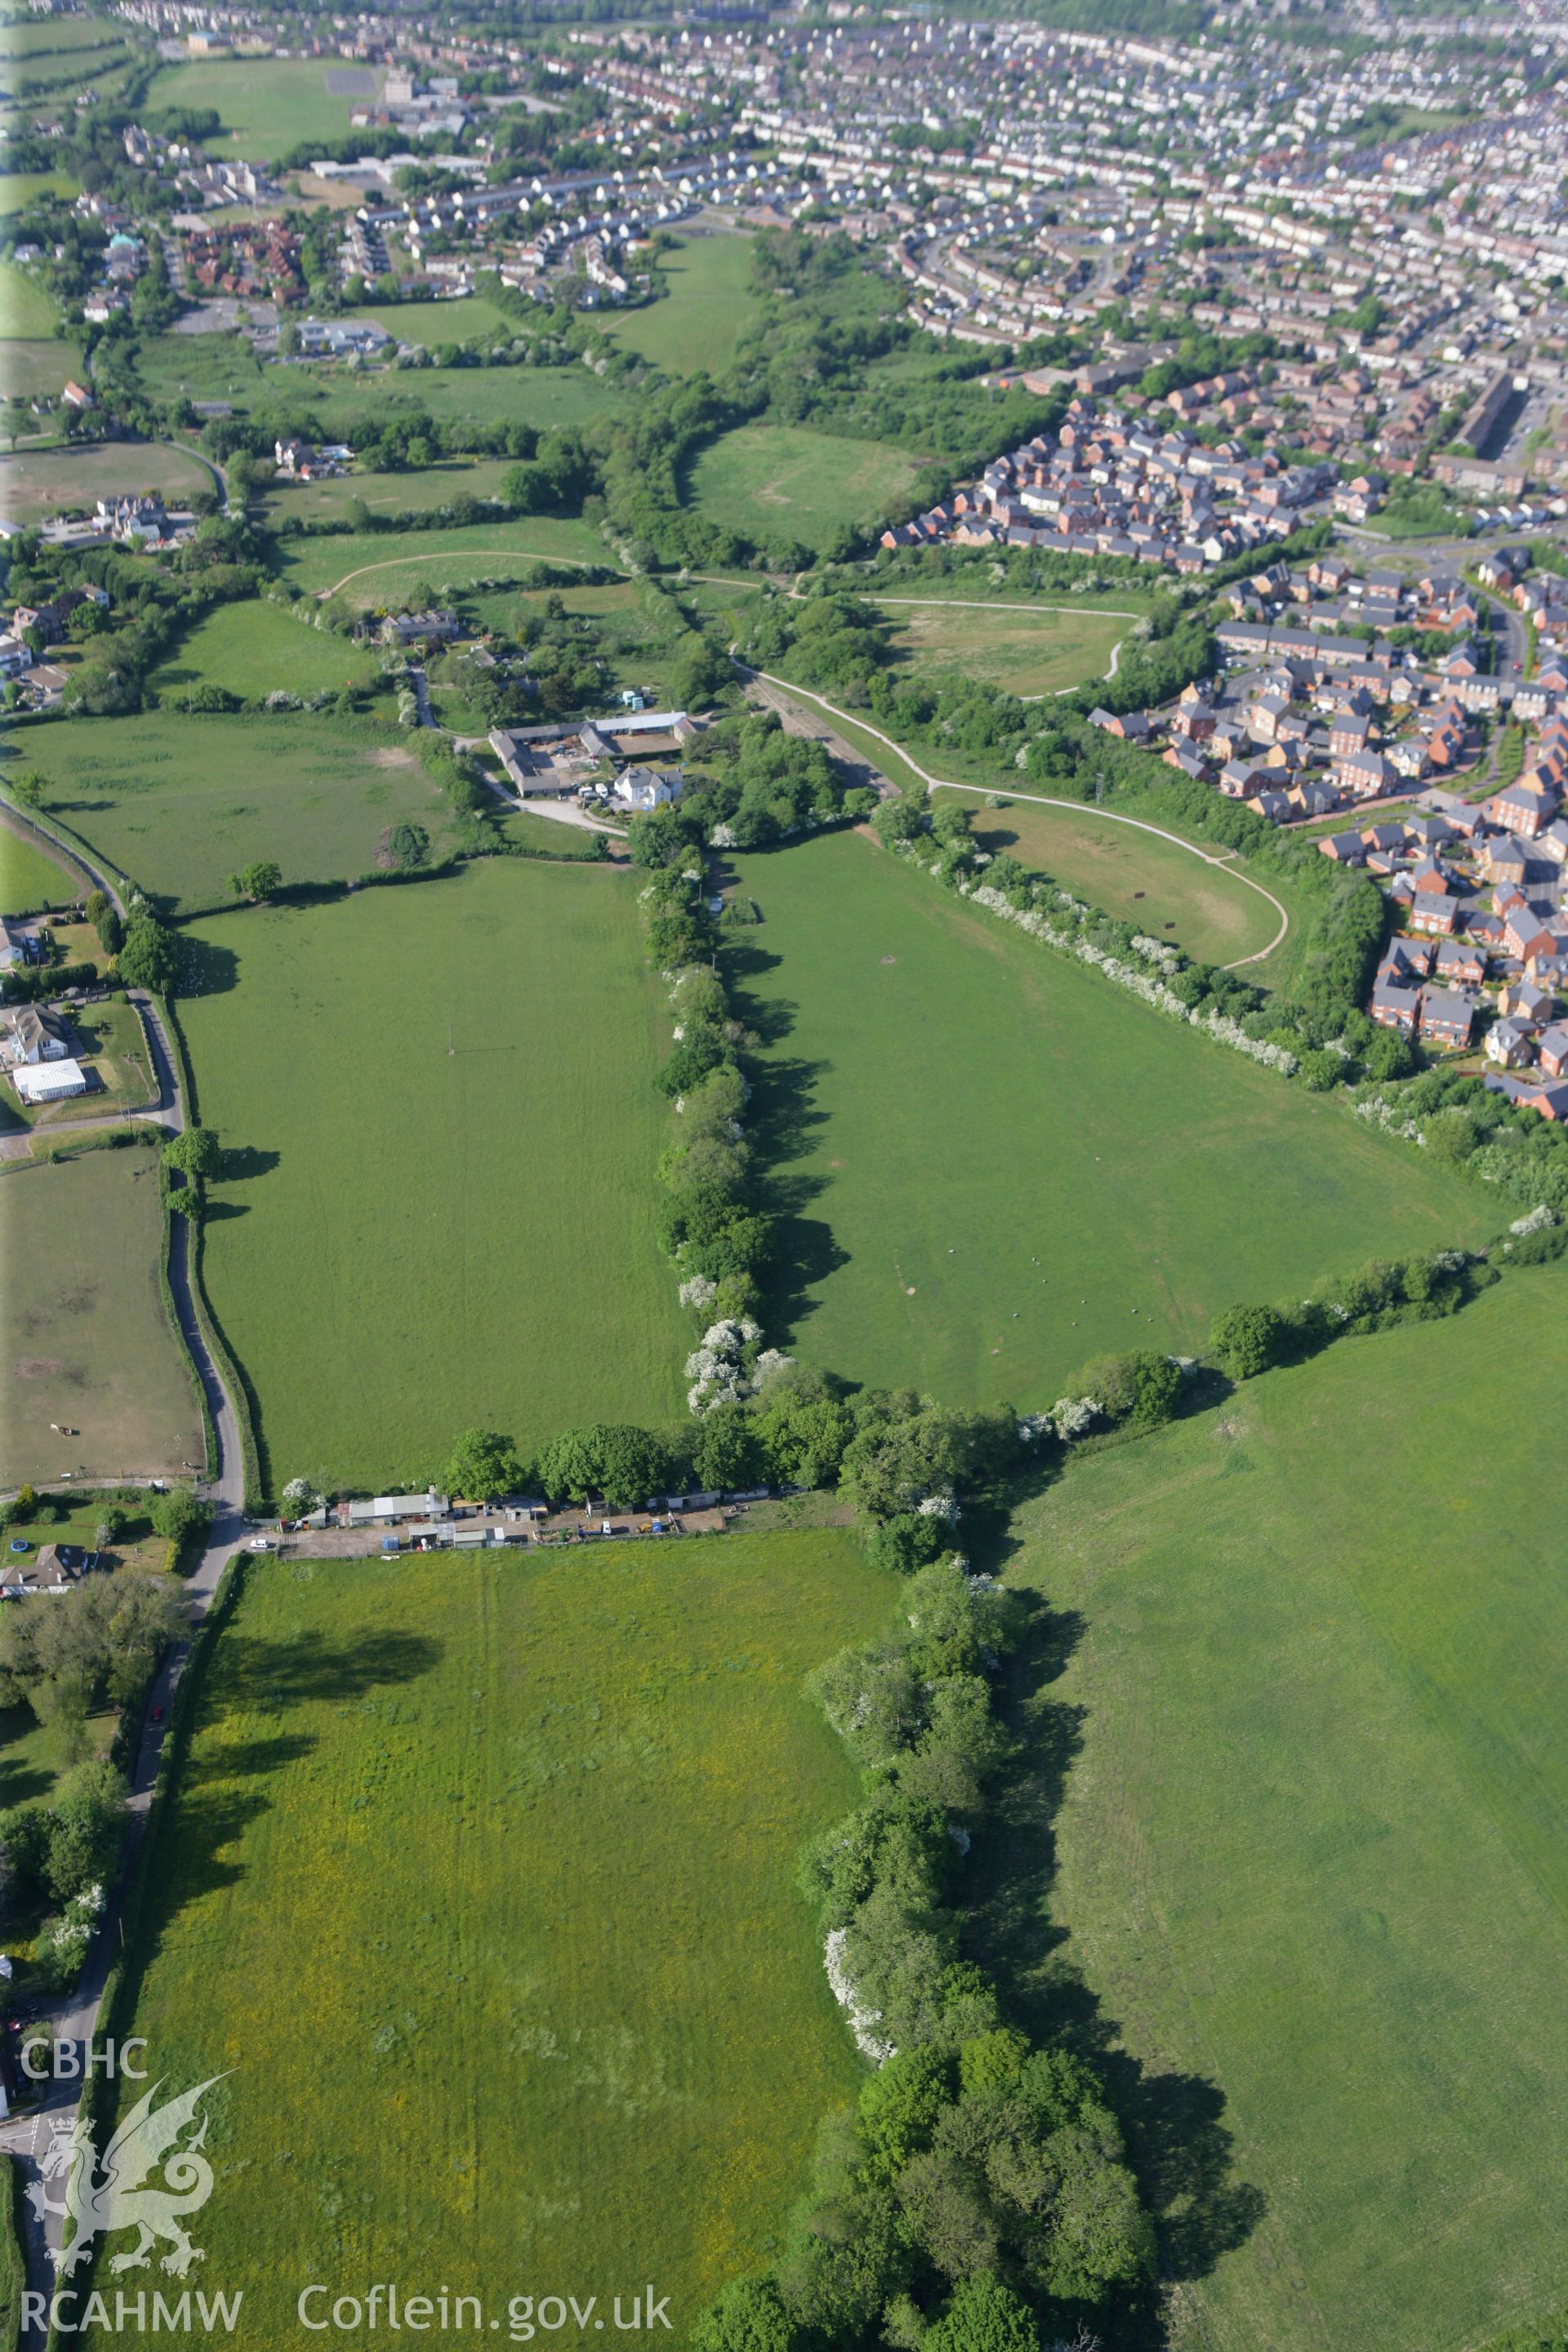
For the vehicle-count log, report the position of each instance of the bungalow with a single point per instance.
(1131, 726)
(1344, 848)
(1273, 807)
(1510, 1045)
(45, 1082)
(1446, 1017)
(1388, 838)
(1397, 1008)
(1551, 1101)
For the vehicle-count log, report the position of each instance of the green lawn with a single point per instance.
(455, 1082)
(20, 189)
(784, 481)
(33, 484)
(1314, 1846)
(37, 371)
(1170, 892)
(709, 305)
(256, 646)
(383, 567)
(178, 804)
(86, 1341)
(26, 311)
(29, 876)
(1030, 653)
(268, 105)
(999, 1164)
(509, 1846)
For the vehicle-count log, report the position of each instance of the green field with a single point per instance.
(39, 483)
(268, 105)
(178, 803)
(784, 481)
(999, 1165)
(26, 311)
(376, 568)
(29, 876)
(534, 1821)
(86, 1341)
(456, 1083)
(20, 189)
(709, 305)
(433, 486)
(1138, 876)
(256, 646)
(1030, 653)
(338, 398)
(1312, 1848)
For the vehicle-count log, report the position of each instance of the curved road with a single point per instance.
(1044, 799)
(74, 2021)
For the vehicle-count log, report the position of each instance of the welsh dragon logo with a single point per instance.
(111, 2194)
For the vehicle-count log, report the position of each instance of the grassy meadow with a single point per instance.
(36, 483)
(178, 803)
(708, 305)
(1170, 892)
(375, 568)
(446, 1211)
(30, 878)
(1028, 653)
(460, 319)
(86, 1341)
(256, 646)
(26, 310)
(433, 486)
(997, 1165)
(786, 481)
(534, 1820)
(1311, 1849)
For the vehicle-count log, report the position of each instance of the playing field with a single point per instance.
(33, 484)
(376, 568)
(268, 105)
(709, 304)
(784, 481)
(1312, 1849)
(998, 1165)
(467, 319)
(29, 878)
(87, 1344)
(1030, 653)
(1170, 892)
(255, 648)
(177, 803)
(449, 1089)
(509, 1844)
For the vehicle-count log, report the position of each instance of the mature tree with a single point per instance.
(195, 1151)
(619, 1461)
(1247, 1340)
(803, 1429)
(150, 958)
(749, 2316)
(984, 2315)
(261, 879)
(180, 1516)
(726, 1451)
(28, 787)
(483, 1467)
(86, 1828)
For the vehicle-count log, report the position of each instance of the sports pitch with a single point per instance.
(534, 1820)
(1311, 1849)
(997, 1165)
(446, 1217)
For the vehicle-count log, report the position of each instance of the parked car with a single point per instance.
(259, 1543)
